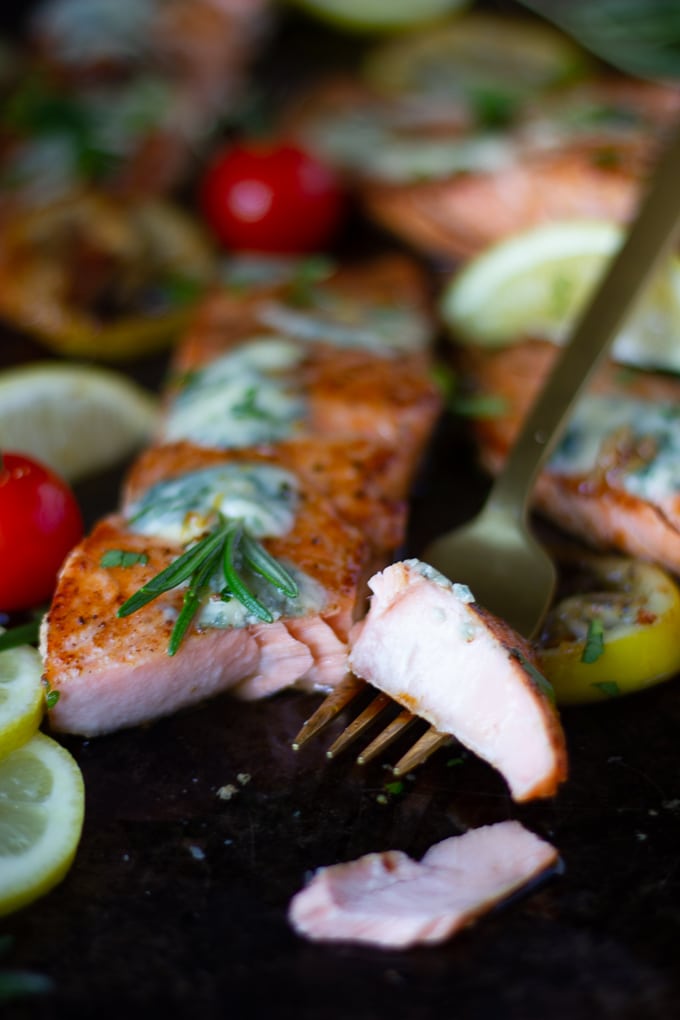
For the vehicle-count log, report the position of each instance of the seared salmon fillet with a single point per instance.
(426, 643)
(449, 187)
(612, 480)
(113, 672)
(389, 900)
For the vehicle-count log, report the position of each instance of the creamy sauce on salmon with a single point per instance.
(265, 498)
(247, 396)
(649, 431)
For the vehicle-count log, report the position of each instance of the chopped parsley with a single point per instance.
(543, 685)
(594, 646)
(122, 558)
(608, 687)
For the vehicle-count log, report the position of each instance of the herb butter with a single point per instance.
(652, 434)
(247, 396)
(264, 497)
(386, 330)
(218, 612)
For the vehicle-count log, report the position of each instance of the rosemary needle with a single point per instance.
(226, 547)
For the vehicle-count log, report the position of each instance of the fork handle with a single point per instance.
(648, 241)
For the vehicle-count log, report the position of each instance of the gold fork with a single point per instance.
(496, 554)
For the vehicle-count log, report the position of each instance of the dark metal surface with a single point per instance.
(176, 903)
(177, 899)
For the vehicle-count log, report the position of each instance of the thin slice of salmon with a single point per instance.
(391, 901)
(432, 648)
(114, 672)
(623, 497)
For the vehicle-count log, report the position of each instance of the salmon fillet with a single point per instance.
(622, 496)
(389, 900)
(580, 152)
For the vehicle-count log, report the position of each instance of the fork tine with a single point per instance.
(331, 706)
(357, 727)
(388, 735)
(430, 741)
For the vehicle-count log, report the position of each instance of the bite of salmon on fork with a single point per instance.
(426, 645)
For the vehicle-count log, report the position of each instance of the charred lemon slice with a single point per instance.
(617, 637)
(94, 277)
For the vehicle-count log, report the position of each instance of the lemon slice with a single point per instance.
(636, 607)
(535, 283)
(75, 418)
(22, 696)
(477, 52)
(42, 804)
(379, 15)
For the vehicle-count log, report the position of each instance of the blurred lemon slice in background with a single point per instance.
(77, 419)
(535, 283)
(379, 15)
(477, 52)
(22, 696)
(42, 804)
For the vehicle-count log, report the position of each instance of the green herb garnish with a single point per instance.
(51, 698)
(608, 687)
(15, 984)
(543, 685)
(394, 789)
(22, 634)
(224, 549)
(594, 646)
(122, 558)
(248, 408)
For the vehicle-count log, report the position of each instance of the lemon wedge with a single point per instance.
(379, 15)
(535, 283)
(76, 419)
(22, 696)
(42, 804)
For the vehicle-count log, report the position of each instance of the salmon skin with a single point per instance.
(328, 506)
(612, 481)
(449, 187)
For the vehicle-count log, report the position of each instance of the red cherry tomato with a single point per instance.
(40, 522)
(271, 197)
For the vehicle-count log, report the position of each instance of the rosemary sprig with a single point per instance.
(228, 546)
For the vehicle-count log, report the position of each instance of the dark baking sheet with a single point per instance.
(177, 900)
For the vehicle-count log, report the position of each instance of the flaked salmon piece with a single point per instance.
(114, 672)
(427, 644)
(389, 900)
(610, 481)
